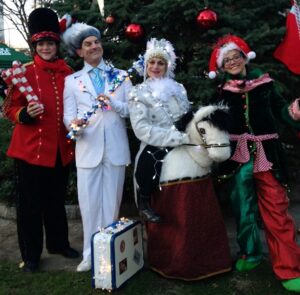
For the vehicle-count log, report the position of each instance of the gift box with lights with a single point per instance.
(117, 254)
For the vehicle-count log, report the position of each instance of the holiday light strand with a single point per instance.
(115, 78)
(104, 262)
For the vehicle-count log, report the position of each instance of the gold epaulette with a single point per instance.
(28, 63)
(70, 68)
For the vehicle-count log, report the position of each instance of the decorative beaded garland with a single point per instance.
(115, 78)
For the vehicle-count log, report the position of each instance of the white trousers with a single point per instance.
(100, 192)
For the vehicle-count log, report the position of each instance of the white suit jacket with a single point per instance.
(106, 130)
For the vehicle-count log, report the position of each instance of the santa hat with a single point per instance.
(162, 49)
(76, 33)
(225, 44)
(43, 25)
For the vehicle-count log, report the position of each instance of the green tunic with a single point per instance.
(255, 108)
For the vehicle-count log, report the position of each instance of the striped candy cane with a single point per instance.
(15, 76)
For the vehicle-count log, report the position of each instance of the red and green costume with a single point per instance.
(257, 171)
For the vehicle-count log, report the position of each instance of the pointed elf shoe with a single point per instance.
(292, 285)
(244, 265)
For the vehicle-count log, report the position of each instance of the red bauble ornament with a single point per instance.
(109, 19)
(207, 19)
(134, 32)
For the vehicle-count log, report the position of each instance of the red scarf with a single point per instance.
(58, 65)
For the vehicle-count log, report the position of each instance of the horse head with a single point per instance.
(209, 142)
(209, 129)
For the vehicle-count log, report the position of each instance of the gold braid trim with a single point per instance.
(7, 103)
(17, 116)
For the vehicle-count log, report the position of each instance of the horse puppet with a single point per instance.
(191, 243)
(209, 143)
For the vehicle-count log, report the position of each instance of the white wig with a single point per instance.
(74, 36)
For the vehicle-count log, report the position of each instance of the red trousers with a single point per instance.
(279, 226)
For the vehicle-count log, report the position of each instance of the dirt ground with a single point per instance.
(9, 250)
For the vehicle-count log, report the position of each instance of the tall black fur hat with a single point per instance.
(43, 25)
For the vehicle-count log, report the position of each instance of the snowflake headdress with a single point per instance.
(162, 49)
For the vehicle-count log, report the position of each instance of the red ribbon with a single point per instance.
(242, 154)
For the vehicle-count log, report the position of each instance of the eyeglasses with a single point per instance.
(235, 58)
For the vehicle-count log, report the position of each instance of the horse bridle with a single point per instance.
(202, 133)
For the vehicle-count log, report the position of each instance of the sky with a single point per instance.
(12, 37)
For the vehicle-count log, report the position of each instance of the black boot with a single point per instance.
(148, 214)
(29, 266)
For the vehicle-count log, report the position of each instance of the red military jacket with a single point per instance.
(37, 142)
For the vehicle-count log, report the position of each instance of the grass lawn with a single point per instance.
(258, 282)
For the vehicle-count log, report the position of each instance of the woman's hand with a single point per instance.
(294, 109)
(35, 109)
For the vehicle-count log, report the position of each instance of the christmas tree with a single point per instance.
(260, 23)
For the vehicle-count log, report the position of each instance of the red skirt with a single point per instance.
(192, 242)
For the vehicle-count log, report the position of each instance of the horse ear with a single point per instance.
(184, 120)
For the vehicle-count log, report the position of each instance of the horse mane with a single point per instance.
(184, 120)
(217, 115)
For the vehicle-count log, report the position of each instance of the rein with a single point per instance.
(207, 146)
(202, 132)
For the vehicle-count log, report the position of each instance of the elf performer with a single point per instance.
(183, 241)
(256, 167)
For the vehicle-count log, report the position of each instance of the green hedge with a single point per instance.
(7, 188)
(7, 171)
(7, 180)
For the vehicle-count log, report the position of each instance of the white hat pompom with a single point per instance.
(212, 75)
(251, 55)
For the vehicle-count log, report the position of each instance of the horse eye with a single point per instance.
(202, 130)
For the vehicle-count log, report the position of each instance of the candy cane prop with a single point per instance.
(15, 76)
